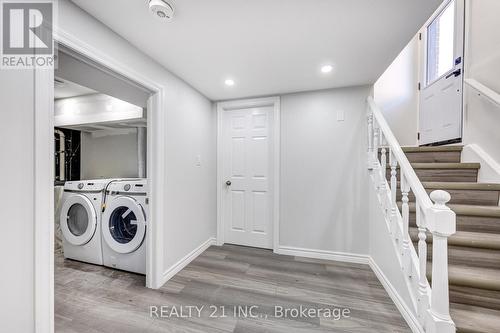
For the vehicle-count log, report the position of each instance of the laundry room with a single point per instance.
(100, 169)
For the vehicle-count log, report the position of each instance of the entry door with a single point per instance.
(441, 94)
(247, 164)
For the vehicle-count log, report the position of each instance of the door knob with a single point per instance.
(228, 183)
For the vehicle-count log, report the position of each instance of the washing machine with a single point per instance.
(80, 220)
(124, 222)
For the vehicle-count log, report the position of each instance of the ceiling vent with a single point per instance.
(161, 9)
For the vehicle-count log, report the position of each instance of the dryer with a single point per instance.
(124, 222)
(80, 220)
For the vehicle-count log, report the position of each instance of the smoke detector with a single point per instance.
(161, 9)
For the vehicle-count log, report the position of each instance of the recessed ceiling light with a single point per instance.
(229, 82)
(326, 68)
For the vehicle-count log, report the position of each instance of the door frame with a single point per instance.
(275, 102)
(423, 49)
(44, 184)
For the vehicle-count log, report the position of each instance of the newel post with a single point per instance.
(442, 224)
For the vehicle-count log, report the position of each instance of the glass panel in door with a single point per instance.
(441, 44)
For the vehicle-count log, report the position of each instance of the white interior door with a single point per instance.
(247, 176)
(441, 93)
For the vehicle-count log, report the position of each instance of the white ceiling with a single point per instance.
(65, 89)
(269, 46)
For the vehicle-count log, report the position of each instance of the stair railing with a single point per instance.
(483, 90)
(432, 215)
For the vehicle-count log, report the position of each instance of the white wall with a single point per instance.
(323, 176)
(190, 129)
(483, 64)
(190, 205)
(483, 47)
(395, 92)
(17, 167)
(109, 154)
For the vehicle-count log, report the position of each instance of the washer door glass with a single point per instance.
(77, 219)
(123, 225)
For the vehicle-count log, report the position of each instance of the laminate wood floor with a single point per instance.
(243, 288)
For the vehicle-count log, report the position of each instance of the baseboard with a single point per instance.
(322, 254)
(178, 266)
(398, 301)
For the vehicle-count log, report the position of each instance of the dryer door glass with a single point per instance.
(123, 225)
(78, 219)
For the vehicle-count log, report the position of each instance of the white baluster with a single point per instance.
(376, 164)
(442, 224)
(393, 204)
(383, 173)
(423, 297)
(394, 180)
(370, 140)
(405, 212)
(383, 153)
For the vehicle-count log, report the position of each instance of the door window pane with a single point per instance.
(441, 44)
(78, 219)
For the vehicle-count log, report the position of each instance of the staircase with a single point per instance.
(474, 250)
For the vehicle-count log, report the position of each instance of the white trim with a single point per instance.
(248, 103)
(323, 254)
(403, 308)
(43, 200)
(155, 155)
(43, 173)
(178, 266)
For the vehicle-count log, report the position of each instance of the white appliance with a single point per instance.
(80, 220)
(124, 223)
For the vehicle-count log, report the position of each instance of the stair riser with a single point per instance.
(429, 157)
(471, 223)
(443, 175)
(434, 157)
(478, 297)
(465, 197)
(472, 257)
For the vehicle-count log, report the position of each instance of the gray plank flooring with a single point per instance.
(95, 299)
